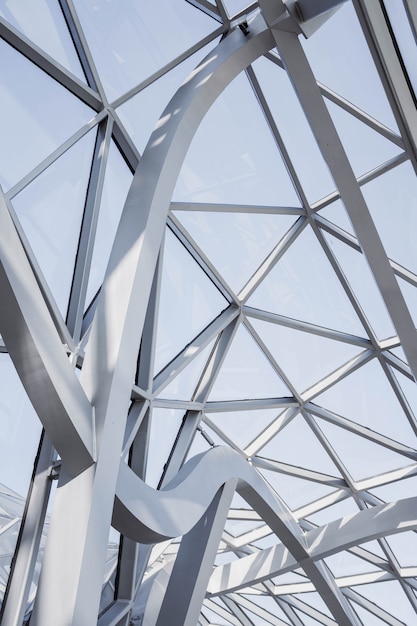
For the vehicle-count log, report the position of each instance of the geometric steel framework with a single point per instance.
(232, 401)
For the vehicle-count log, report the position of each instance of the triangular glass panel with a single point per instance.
(43, 23)
(33, 105)
(304, 286)
(305, 358)
(235, 6)
(120, 34)
(313, 599)
(184, 385)
(365, 147)
(366, 397)
(141, 112)
(236, 243)
(404, 546)
(295, 131)
(389, 596)
(189, 301)
(346, 564)
(340, 509)
(367, 617)
(405, 488)
(297, 445)
(270, 605)
(348, 70)
(409, 388)
(20, 430)
(336, 213)
(296, 492)
(116, 185)
(306, 620)
(241, 166)
(243, 426)
(246, 373)
(362, 282)
(391, 199)
(165, 424)
(50, 211)
(362, 458)
(409, 293)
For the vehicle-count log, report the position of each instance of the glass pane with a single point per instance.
(243, 426)
(50, 211)
(44, 24)
(126, 46)
(246, 373)
(297, 445)
(141, 113)
(304, 286)
(183, 386)
(236, 243)
(165, 424)
(294, 129)
(366, 397)
(305, 358)
(348, 69)
(392, 201)
(188, 301)
(233, 160)
(38, 115)
(115, 188)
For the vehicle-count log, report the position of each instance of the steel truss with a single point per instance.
(91, 380)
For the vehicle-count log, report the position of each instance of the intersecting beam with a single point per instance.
(364, 526)
(39, 356)
(320, 121)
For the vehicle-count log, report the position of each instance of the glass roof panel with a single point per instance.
(295, 491)
(297, 445)
(183, 386)
(336, 213)
(165, 424)
(366, 398)
(141, 112)
(345, 68)
(231, 160)
(188, 301)
(304, 357)
(121, 33)
(404, 37)
(116, 184)
(404, 546)
(392, 201)
(347, 564)
(361, 280)
(33, 106)
(304, 153)
(236, 243)
(20, 430)
(361, 457)
(365, 148)
(389, 596)
(246, 373)
(43, 23)
(50, 211)
(243, 426)
(304, 286)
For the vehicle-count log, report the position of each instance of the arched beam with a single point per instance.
(380, 521)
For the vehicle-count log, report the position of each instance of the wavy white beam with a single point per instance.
(380, 521)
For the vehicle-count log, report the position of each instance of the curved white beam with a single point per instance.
(380, 521)
(38, 354)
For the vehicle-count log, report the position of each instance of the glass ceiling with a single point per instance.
(281, 314)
